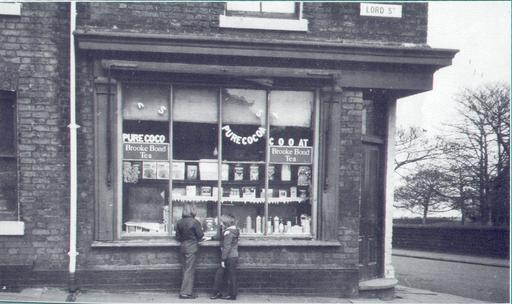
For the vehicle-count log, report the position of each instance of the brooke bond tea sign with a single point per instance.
(291, 155)
(145, 151)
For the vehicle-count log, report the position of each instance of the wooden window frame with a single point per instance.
(116, 125)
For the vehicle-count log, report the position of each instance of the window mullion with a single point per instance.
(219, 156)
(171, 160)
(267, 159)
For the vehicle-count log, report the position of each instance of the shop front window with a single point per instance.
(212, 147)
(195, 153)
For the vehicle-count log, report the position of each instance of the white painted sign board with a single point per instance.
(381, 10)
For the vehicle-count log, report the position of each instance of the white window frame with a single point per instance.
(263, 23)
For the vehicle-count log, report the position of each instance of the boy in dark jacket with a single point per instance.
(229, 259)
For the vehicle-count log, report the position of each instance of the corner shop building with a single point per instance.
(281, 115)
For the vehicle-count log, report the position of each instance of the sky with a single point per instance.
(481, 32)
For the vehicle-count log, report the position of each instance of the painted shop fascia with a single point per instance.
(289, 130)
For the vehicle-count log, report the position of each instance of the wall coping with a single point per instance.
(420, 226)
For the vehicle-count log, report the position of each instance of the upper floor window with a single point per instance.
(264, 15)
(276, 9)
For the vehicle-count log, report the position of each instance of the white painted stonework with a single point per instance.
(12, 228)
(389, 271)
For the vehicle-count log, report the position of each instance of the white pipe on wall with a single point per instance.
(72, 152)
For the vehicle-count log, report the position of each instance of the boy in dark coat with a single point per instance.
(226, 273)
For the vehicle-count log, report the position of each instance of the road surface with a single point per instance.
(486, 283)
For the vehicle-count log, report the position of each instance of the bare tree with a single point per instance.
(422, 191)
(482, 141)
(413, 147)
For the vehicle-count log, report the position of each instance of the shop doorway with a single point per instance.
(370, 227)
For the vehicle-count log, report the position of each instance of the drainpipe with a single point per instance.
(72, 153)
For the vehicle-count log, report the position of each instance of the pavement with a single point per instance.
(55, 295)
(460, 258)
(403, 294)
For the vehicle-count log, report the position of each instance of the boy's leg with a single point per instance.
(218, 284)
(231, 266)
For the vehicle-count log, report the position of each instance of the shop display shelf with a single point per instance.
(257, 200)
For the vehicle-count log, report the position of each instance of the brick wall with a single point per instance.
(327, 21)
(33, 52)
(482, 241)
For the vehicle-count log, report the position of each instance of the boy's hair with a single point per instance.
(227, 220)
(189, 210)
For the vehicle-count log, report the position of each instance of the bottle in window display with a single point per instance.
(286, 174)
(258, 224)
(276, 224)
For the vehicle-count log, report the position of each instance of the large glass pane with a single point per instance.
(145, 159)
(243, 157)
(291, 160)
(195, 154)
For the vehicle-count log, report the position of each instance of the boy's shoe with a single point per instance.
(218, 295)
(187, 296)
(229, 298)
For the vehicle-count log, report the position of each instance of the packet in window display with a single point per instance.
(131, 172)
(249, 192)
(234, 193)
(178, 170)
(303, 176)
(191, 190)
(254, 173)
(238, 173)
(162, 170)
(271, 172)
(206, 191)
(192, 172)
(149, 170)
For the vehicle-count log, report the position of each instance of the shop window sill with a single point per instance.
(257, 23)
(252, 242)
(12, 228)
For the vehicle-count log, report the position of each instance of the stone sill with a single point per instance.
(256, 23)
(378, 284)
(263, 242)
(208, 266)
(10, 9)
(12, 228)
